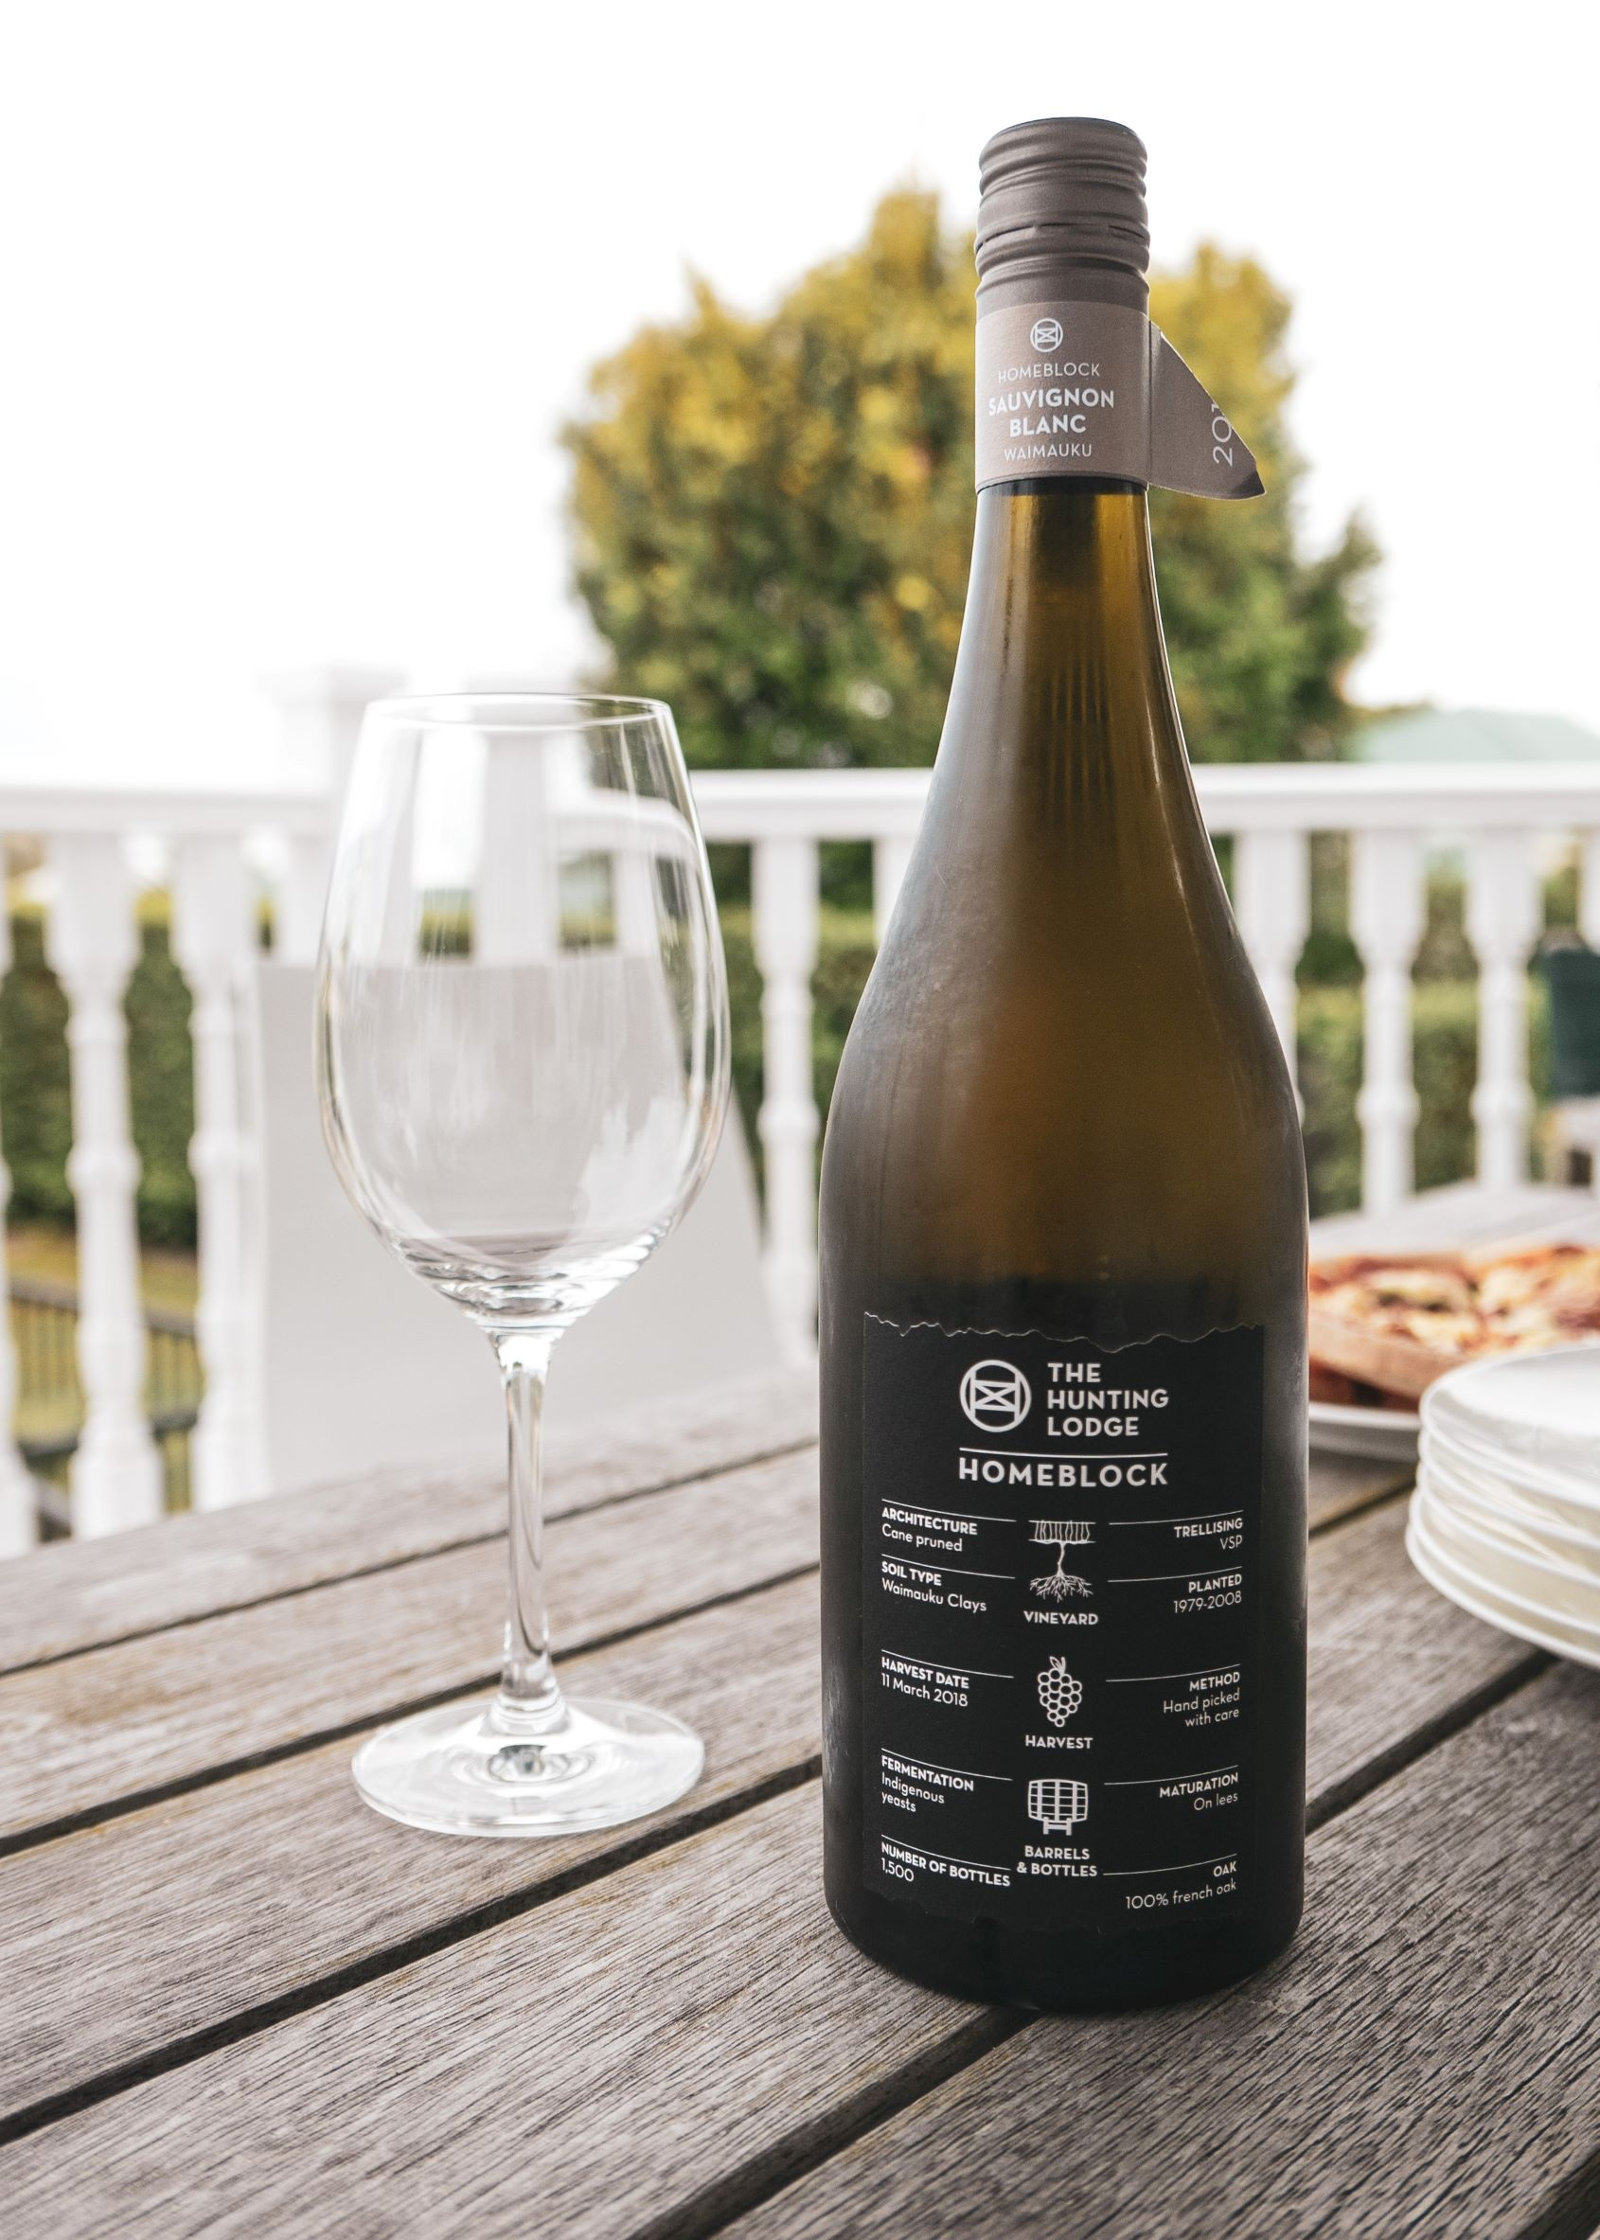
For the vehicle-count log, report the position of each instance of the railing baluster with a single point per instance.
(890, 856)
(519, 890)
(19, 1516)
(1503, 919)
(297, 904)
(784, 889)
(92, 945)
(633, 874)
(319, 718)
(1388, 908)
(1272, 902)
(214, 942)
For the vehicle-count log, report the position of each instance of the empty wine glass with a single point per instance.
(522, 1055)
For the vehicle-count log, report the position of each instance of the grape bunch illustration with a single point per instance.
(1059, 1692)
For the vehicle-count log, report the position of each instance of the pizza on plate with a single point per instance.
(1382, 1329)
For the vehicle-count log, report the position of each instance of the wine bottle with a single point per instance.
(1062, 1317)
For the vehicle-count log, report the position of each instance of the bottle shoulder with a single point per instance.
(1063, 1063)
(1067, 1099)
(1082, 1000)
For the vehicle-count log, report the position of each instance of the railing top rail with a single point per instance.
(1236, 797)
(1335, 796)
(885, 804)
(808, 804)
(37, 811)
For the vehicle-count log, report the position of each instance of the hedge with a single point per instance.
(35, 1112)
(35, 1123)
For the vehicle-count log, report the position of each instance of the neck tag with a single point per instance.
(1095, 389)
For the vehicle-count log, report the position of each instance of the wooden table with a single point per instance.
(236, 2001)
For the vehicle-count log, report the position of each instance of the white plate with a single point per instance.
(1573, 1605)
(1521, 1526)
(1541, 1586)
(1501, 1550)
(1535, 1410)
(1509, 1468)
(1507, 1525)
(1482, 1602)
(1377, 1434)
(1518, 1498)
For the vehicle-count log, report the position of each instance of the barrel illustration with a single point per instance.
(1058, 1806)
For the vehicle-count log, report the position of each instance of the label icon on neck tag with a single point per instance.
(1095, 389)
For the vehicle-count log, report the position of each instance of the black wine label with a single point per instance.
(1059, 1623)
(1095, 389)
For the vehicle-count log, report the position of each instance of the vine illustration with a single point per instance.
(1060, 1585)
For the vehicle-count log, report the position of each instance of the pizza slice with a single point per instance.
(1392, 1325)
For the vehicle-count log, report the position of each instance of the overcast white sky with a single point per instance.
(296, 293)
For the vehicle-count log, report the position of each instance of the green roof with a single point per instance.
(1475, 735)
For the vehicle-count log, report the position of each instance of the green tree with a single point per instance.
(773, 516)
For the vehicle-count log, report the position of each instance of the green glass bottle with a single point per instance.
(1063, 1250)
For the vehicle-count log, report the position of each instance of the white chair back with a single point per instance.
(366, 1367)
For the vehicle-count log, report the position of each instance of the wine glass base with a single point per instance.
(459, 1772)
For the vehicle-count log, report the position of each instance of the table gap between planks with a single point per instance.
(234, 2000)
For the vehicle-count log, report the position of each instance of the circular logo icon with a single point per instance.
(1046, 334)
(995, 1396)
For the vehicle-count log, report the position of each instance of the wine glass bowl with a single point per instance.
(522, 1052)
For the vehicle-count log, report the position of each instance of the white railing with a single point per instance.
(1501, 813)
(216, 851)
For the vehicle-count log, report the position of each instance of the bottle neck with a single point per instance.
(1061, 640)
(1062, 757)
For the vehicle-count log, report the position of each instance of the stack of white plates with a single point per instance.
(1506, 1516)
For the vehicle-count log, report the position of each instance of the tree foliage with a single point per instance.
(774, 515)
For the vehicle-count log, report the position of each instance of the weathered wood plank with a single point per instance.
(1387, 1672)
(249, 1889)
(246, 1893)
(690, 2027)
(621, 2047)
(173, 1706)
(76, 1595)
(170, 1707)
(1427, 2061)
(1338, 1485)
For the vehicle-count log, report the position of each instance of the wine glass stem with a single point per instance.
(529, 1701)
